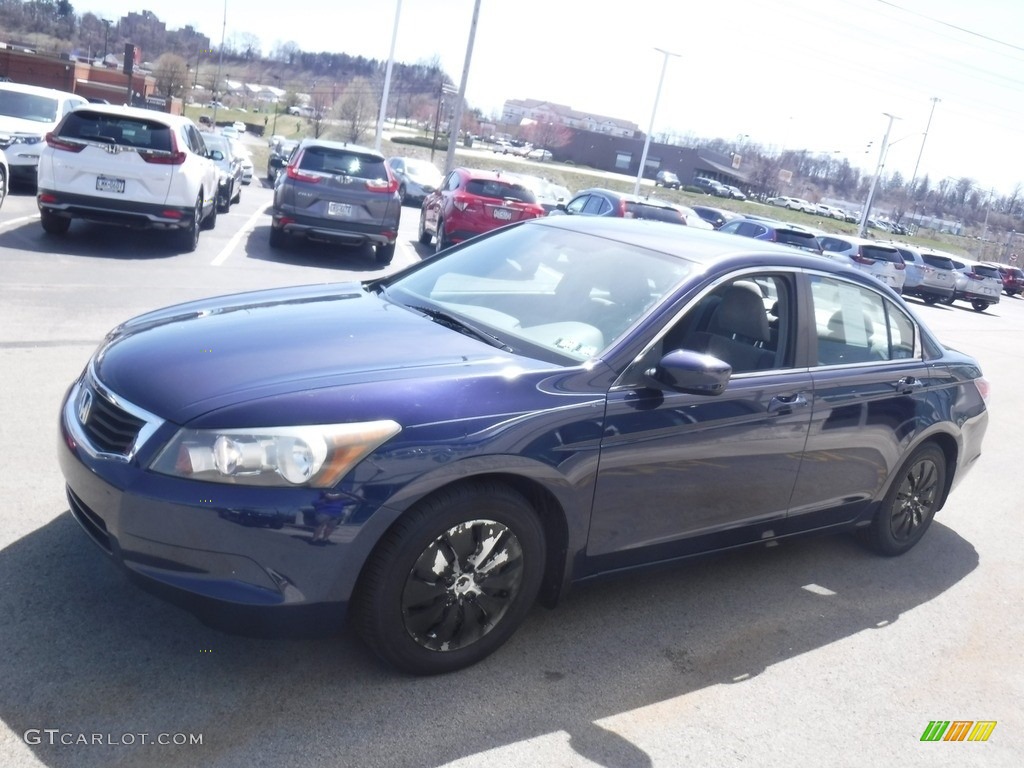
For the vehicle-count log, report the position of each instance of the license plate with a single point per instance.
(108, 184)
(941, 277)
(339, 209)
(502, 213)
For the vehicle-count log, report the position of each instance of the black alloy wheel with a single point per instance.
(452, 580)
(909, 506)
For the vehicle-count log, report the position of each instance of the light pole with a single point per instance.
(654, 111)
(455, 122)
(924, 138)
(387, 79)
(106, 35)
(220, 63)
(862, 229)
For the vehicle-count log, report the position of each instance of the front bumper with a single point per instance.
(243, 559)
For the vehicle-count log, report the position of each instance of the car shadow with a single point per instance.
(97, 241)
(87, 652)
(309, 253)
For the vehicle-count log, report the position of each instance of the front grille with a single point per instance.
(110, 429)
(90, 521)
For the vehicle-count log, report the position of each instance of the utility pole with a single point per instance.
(453, 130)
(931, 114)
(862, 229)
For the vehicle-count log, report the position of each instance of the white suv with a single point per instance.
(27, 114)
(128, 167)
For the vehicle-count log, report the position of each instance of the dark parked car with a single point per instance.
(775, 232)
(716, 217)
(712, 187)
(229, 168)
(416, 178)
(667, 179)
(434, 451)
(605, 202)
(339, 193)
(278, 157)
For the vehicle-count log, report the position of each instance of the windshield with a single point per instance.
(544, 292)
(421, 170)
(28, 106)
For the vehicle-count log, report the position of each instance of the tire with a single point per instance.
(223, 203)
(979, 306)
(210, 221)
(488, 543)
(909, 506)
(188, 237)
(54, 224)
(401, 194)
(278, 238)
(238, 195)
(424, 237)
(929, 300)
(385, 253)
(440, 241)
(3, 187)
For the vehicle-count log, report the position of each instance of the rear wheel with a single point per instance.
(979, 306)
(452, 580)
(441, 239)
(3, 187)
(54, 224)
(238, 195)
(424, 234)
(210, 221)
(188, 236)
(385, 253)
(401, 194)
(930, 300)
(277, 237)
(908, 507)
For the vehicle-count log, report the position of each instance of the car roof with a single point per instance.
(697, 245)
(117, 110)
(341, 145)
(629, 198)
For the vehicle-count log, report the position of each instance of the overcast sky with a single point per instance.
(813, 74)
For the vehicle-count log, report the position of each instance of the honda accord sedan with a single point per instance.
(432, 453)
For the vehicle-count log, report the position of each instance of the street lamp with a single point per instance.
(654, 111)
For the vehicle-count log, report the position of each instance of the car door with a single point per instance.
(871, 392)
(682, 473)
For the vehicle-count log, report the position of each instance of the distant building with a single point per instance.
(516, 111)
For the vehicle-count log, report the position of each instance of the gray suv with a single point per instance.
(339, 193)
(929, 276)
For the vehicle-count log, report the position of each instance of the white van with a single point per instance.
(27, 114)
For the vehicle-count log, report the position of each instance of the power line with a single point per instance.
(952, 26)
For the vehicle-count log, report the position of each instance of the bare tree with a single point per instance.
(171, 74)
(356, 110)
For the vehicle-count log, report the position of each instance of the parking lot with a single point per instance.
(807, 653)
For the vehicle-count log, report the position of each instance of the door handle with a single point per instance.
(908, 384)
(781, 405)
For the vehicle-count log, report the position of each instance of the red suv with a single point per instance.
(471, 202)
(1013, 279)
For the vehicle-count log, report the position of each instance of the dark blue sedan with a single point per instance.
(432, 453)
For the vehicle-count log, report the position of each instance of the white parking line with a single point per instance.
(19, 220)
(237, 237)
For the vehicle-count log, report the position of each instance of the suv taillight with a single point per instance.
(462, 203)
(862, 259)
(901, 265)
(68, 146)
(984, 388)
(173, 157)
(974, 276)
(382, 185)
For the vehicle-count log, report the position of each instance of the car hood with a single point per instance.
(188, 360)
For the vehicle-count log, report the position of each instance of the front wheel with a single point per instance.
(929, 300)
(911, 503)
(979, 306)
(452, 580)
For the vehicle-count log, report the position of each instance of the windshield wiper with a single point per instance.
(458, 324)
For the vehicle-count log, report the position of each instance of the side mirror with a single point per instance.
(216, 154)
(692, 372)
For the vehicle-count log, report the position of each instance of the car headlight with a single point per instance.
(27, 139)
(316, 456)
